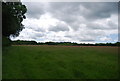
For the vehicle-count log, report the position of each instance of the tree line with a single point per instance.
(20, 42)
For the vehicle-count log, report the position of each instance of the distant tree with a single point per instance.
(12, 17)
(117, 43)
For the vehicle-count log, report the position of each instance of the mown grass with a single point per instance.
(49, 62)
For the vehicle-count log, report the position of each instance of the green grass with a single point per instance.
(48, 62)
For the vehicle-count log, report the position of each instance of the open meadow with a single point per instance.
(60, 62)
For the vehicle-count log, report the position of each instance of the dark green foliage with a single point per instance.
(60, 43)
(12, 16)
(117, 43)
(19, 42)
(6, 41)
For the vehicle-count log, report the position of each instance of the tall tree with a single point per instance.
(12, 17)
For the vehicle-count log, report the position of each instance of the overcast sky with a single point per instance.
(81, 22)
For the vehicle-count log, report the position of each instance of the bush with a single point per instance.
(6, 41)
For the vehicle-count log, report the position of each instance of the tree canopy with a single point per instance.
(13, 14)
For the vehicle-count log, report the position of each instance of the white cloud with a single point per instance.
(106, 39)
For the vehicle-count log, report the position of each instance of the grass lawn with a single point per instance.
(51, 62)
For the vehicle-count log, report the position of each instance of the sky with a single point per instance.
(81, 22)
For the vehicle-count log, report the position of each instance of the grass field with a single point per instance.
(51, 62)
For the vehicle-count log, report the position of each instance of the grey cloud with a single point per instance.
(59, 27)
(90, 10)
(75, 25)
(37, 29)
(86, 36)
(70, 12)
(95, 26)
(39, 34)
(30, 34)
(68, 36)
(100, 9)
(87, 40)
(67, 11)
(112, 25)
(36, 35)
(100, 26)
(94, 33)
(34, 9)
